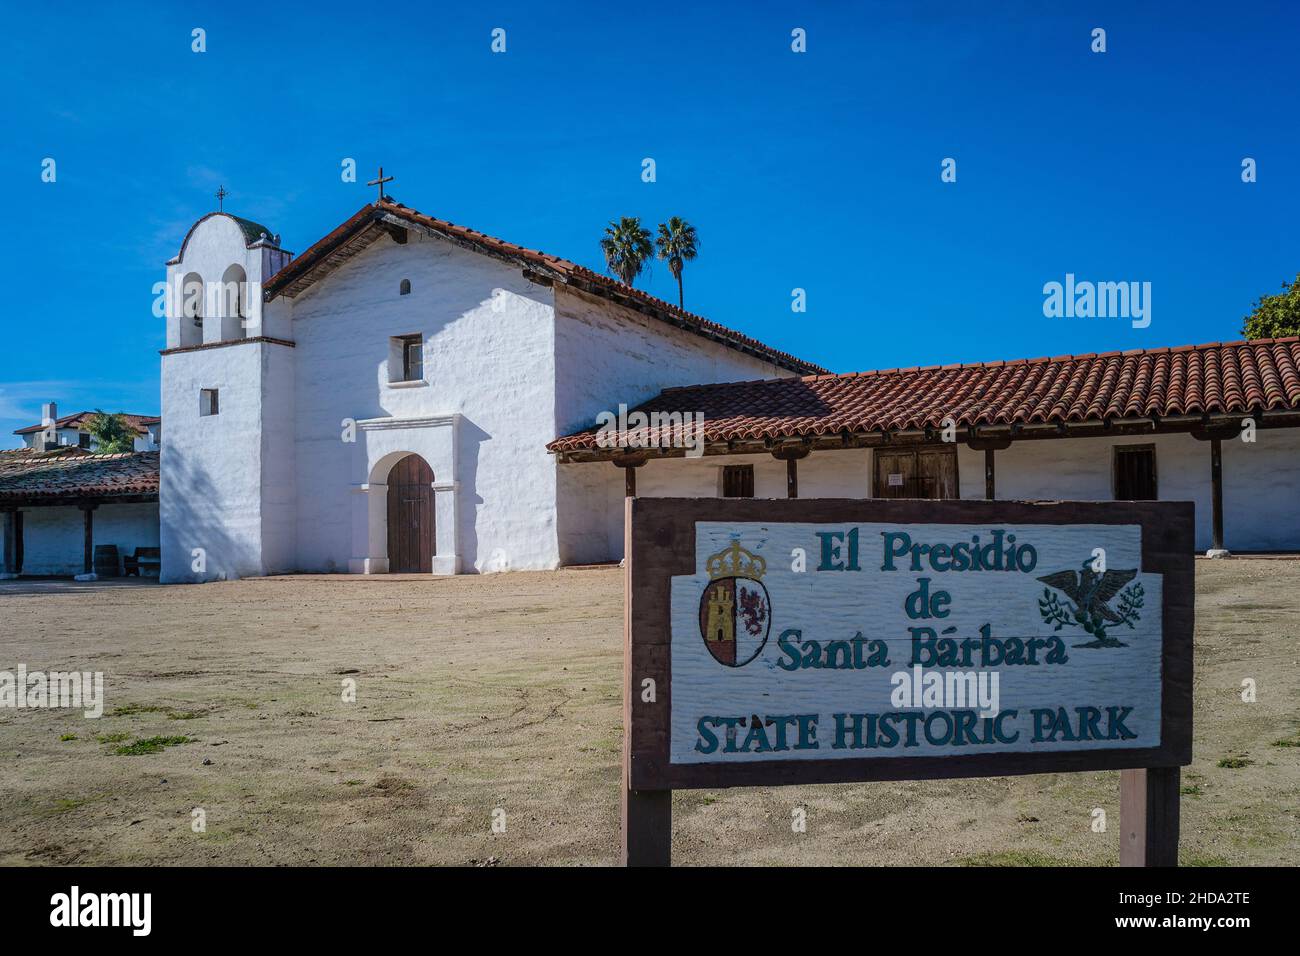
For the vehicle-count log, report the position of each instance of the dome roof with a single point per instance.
(253, 231)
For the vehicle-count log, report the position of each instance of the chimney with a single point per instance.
(48, 436)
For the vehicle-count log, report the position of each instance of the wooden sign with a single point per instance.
(823, 641)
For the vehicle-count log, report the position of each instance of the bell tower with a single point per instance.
(228, 400)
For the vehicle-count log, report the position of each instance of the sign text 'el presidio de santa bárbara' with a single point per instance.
(817, 641)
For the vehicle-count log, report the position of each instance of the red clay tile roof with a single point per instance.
(28, 476)
(78, 419)
(367, 225)
(1220, 377)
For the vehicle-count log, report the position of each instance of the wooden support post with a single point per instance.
(18, 542)
(11, 542)
(1216, 482)
(790, 454)
(989, 446)
(1148, 817)
(89, 512)
(629, 463)
(647, 826)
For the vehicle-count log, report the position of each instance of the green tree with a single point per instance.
(111, 433)
(627, 247)
(677, 243)
(1275, 316)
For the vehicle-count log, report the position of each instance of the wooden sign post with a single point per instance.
(809, 641)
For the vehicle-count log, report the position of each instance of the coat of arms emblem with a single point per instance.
(735, 610)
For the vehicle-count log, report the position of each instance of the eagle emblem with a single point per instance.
(1090, 593)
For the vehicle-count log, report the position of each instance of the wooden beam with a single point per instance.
(1216, 484)
(1148, 817)
(989, 444)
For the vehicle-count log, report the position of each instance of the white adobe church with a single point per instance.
(410, 395)
(385, 404)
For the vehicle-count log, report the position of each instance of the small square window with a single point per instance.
(208, 402)
(1135, 473)
(738, 481)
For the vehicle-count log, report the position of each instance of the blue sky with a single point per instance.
(818, 170)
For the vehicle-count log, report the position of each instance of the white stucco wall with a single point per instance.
(54, 537)
(1261, 500)
(1261, 480)
(213, 476)
(606, 354)
(488, 359)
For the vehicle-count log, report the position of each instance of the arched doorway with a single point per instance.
(410, 516)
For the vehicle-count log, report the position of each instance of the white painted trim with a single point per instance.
(370, 424)
(413, 383)
(439, 448)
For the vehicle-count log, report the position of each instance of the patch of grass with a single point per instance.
(1013, 858)
(151, 745)
(1235, 763)
(351, 783)
(66, 737)
(1193, 791)
(130, 710)
(64, 804)
(1287, 742)
(1205, 861)
(112, 738)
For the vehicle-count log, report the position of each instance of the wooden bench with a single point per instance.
(143, 558)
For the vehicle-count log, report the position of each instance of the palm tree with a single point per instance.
(627, 247)
(677, 243)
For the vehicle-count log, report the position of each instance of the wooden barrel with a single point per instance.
(106, 564)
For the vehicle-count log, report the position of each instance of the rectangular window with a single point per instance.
(738, 481)
(410, 349)
(83, 440)
(1135, 472)
(208, 402)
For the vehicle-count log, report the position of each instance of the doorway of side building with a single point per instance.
(924, 472)
(410, 517)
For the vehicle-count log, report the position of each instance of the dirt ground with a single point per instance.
(502, 693)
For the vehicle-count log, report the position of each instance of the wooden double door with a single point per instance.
(410, 517)
(929, 471)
